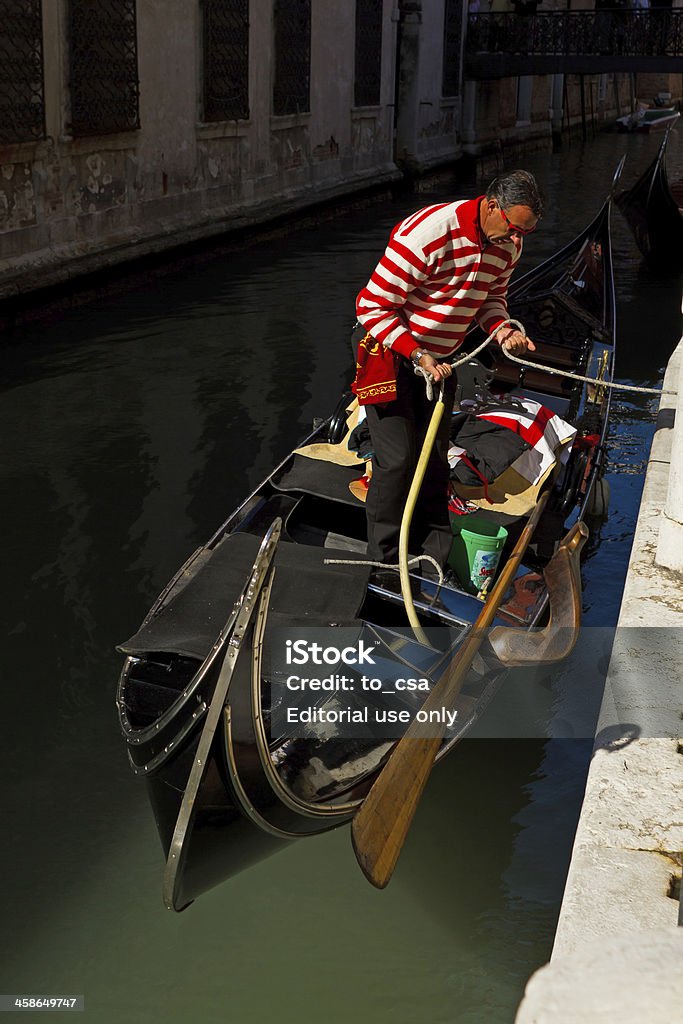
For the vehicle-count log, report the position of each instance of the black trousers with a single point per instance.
(397, 430)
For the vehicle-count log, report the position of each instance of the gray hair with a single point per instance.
(518, 188)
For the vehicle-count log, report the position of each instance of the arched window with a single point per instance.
(291, 87)
(452, 40)
(22, 98)
(225, 37)
(368, 59)
(103, 66)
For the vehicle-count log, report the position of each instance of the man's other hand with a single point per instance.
(514, 341)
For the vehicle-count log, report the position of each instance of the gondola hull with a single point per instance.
(201, 689)
(653, 214)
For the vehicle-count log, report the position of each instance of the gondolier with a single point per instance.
(203, 680)
(445, 266)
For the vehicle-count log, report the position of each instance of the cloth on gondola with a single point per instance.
(502, 451)
(495, 435)
(361, 442)
(482, 449)
(341, 454)
(540, 438)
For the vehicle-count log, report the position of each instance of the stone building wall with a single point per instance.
(439, 115)
(507, 115)
(70, 205)
(606, 97)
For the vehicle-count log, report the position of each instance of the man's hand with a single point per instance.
(437, 371)
(513, 341)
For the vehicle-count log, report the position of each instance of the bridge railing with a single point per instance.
(635, 33)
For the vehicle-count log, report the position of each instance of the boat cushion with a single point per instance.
(304, 590)
(322, 479)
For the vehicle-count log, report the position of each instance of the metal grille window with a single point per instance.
(451, 48)
(291, 89)
(22, 101)
(226, 59)
(368, 72)
(103, 66)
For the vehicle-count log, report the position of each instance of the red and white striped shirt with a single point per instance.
(438, 274)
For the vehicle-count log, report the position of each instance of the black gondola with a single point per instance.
(652, 208)
(198, 695)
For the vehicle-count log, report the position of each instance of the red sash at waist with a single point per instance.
(376, 369)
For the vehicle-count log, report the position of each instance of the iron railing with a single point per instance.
(103, 67)
(291, 87)
(634, 33)
(368, 59)
(22, 93)
(226, 59)
(452, 41)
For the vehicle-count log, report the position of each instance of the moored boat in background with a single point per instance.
(200, 694)
(652, 208)
(648, 119)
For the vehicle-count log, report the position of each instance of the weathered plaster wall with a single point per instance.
(438, 116)
(428, 130)
(70, 205)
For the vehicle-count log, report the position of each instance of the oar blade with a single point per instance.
(381, 825)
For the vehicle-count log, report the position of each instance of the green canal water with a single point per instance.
(131, 427)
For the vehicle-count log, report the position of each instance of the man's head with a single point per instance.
(511, 207)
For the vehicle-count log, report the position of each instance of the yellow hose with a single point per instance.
(419, 477)
(420, 470)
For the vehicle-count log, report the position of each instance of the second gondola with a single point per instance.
(652, 208)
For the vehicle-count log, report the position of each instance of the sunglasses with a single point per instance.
(514, 227)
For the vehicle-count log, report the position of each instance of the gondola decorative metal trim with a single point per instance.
(187, 807)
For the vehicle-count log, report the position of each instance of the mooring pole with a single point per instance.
(583, 106)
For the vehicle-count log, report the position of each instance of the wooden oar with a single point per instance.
(381, 824)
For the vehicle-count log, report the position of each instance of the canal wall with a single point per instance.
(618, 952)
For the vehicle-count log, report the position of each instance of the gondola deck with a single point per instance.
(199, 688)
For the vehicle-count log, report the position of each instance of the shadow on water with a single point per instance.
(131, 427)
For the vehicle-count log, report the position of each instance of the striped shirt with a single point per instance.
(437, 275)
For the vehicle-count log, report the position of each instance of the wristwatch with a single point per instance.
(417, 356)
